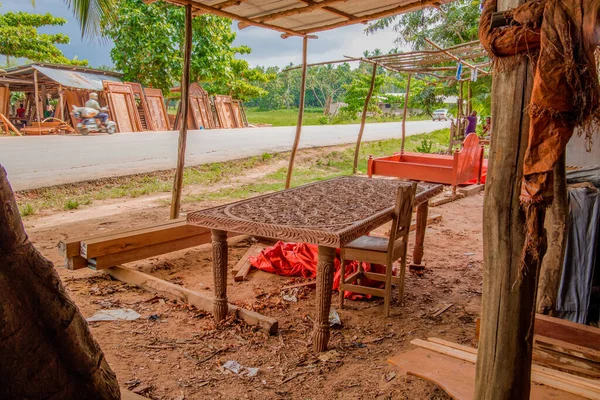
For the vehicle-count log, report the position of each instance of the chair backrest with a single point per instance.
(405, 200)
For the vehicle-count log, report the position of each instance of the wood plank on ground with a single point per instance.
(546, 376)
(198, 300)
(243, 266)
(126, 241)
(457, 377)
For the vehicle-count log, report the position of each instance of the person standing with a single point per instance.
(471, 123)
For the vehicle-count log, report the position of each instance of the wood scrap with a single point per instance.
(198, 300)
(442, 199)
(431, 219)
(9, 127)
(244, 266)
(457, 377)
(546, 376)
(442, 310)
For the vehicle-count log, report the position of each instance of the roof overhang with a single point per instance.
(304, 17)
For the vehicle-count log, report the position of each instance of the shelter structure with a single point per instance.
(301, 18)
(440, 63)
(41, 83)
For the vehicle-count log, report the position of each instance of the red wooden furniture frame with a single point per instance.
(462, 166)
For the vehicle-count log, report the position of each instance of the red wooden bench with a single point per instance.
(462, 166)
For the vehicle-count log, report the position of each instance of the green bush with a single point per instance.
(323, 120)
(26, 210)
(425, 146)
(71, 204)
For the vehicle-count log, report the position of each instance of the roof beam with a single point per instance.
(416, 5)
(222, 13)
(228, 3)
(452, 55)
(330, 10)
(309, 7)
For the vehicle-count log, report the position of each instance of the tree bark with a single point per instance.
(503, 368)
(46, 348)
(556, 229)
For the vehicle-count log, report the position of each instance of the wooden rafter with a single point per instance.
(293, 19)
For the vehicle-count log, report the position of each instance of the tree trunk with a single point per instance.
(508, 307)
(46, 348)
(556, 227)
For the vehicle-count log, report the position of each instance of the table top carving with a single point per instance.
(329, 213)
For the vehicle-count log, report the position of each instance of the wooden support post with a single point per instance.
(556, 227)
(505, 349)
(421, 227)
(288, 179)
(325, 270)
(406, 98)
(185, 85)
(220, 258)
(44, 96)
(37, 101)
(460, 101)
(61, 98)
(364, 118)
(469, 98)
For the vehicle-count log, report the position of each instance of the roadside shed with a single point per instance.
(56, 87)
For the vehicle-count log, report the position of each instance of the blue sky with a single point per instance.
(267, 46)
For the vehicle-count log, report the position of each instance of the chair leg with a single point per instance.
(402, 273)
(387, 297)
(342, 281)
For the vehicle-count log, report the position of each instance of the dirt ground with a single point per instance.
(179, 352)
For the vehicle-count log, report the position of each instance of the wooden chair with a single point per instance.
(381, 251)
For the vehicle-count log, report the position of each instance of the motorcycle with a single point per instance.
(87, 122)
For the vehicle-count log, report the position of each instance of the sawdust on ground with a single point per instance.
(180, 355)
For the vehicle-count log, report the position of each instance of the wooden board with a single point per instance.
(4, 100)
(122, 106)
(238, 106)
(243, 266)
(198, 300)
(225, 112)
(157, 109)
(126, 241)
(567, 331)
(457, 377)
(200, 113)
(539, 374)
(142, 106)
(74, 98)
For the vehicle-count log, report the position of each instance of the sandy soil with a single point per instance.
(180, 356)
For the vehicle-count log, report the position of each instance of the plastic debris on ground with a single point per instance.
(290, 295)
(334, 318)
(119, 314)
(238, 369)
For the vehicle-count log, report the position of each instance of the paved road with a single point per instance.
(33, 162)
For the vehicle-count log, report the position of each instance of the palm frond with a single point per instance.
(90, 13)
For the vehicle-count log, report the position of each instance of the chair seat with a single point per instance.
(372, 243)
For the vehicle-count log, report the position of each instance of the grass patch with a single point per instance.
(324, 164)
(312, 116)
(26, 210)
(329, 165)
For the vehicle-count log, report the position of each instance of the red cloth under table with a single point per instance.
(300, 259)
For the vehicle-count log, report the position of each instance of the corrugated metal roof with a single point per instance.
(76, 79)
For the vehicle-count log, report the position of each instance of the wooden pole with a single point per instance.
(364, 118)
(61, 98)
(288, 179)
(37, 101)
(404, 113)
(460, 100)
(469, 98)
(185, 85)
(504, 357)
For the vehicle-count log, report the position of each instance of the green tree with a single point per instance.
(19, 38)
(148, 41)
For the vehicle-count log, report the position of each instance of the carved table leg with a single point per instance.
(422, 211)
(325, 270)
(219, 247)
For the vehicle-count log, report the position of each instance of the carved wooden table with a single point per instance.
(330, 214)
